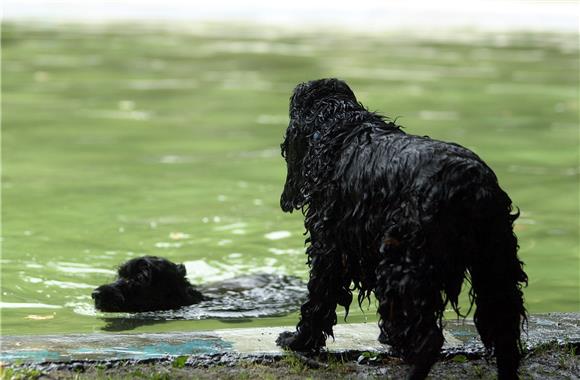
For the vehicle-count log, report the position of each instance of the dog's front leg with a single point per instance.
(327, 287)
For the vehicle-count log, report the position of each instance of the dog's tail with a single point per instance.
(497, 278)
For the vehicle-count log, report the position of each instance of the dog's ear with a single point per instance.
(294, 150)
(181, 270)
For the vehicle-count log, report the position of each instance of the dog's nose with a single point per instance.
(95, 294)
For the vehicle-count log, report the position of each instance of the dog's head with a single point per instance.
(313, 105)
(147, 283)
(307, 98)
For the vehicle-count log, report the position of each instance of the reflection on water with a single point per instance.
(127, 141)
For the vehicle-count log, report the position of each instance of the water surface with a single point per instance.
(122, 140)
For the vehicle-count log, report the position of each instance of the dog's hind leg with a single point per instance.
(328, 287)
(410, 308)
(497, 277)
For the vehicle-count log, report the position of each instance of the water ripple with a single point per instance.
(252, 296)
(18, 305)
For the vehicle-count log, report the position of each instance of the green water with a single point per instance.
(119, 141)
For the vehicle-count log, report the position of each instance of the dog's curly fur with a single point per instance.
(406, 217)
(147, 283)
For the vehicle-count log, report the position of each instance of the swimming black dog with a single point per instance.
(405, 217)
(151, 283)
(147, 283)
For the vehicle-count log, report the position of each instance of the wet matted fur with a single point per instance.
(406, 217)
(147, 283)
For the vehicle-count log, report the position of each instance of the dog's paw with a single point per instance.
(383, 338)
(300, 342)
(287, 339)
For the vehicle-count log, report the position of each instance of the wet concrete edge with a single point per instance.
(554, 330)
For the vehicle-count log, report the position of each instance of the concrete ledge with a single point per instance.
(348, 337)
(461, 336)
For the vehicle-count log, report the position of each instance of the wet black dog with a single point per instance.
(406, 217)
(147, 283)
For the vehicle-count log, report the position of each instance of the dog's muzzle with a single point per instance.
(107, 298)
(289, 203)
(287, 207)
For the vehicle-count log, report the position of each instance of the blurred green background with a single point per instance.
(120, 140)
